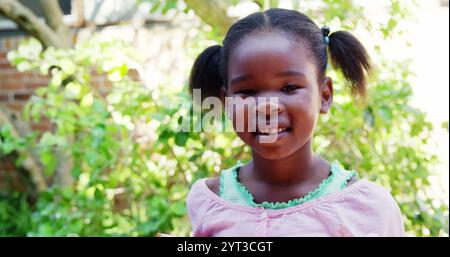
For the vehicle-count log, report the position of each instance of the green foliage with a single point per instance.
(127, 182)
(15, 214)
(115, 190)
(132, 169)
(386, 142)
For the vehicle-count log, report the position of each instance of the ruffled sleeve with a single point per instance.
(197, 203)
(390, 215)
(370, 211)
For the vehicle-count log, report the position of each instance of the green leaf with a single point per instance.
(386, 114)
(67, 192)
(155, 6)
(5, 130)
(444, 125)
(158, 116)
(8, 147)
(170, 4)
(194, 157)
(67, 66)
(43, 69)
(178, 208)
(24, 66)
(73, 90)
(36, 111)
(87, 100)
(181, 138)
(48, 139)
(49, 161)
(14, 58)
(41, 91)
(164, 136)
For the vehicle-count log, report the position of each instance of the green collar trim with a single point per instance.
(281, 205)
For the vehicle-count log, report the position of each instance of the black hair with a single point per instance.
(209, 72)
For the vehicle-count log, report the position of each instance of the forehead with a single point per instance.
(266, 54)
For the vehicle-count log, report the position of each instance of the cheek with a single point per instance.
(308, 123)
(242, 117)
(304, 115)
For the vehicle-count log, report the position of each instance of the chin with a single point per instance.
(269, 153)
(282, 147)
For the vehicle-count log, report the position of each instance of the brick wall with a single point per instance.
(15, 89)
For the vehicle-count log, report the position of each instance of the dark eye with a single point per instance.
(289, 88)
(246, 92)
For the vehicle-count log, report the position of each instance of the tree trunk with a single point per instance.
(31, 163)
(55, 33)
(54, 18)
(33, 25)
(213, 12)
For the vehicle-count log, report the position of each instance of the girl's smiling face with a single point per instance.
(270, 65)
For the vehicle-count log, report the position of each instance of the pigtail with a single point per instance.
(350, 56)
(206, 74)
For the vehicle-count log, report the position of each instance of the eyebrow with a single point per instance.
(290, 73)
(240, 78)
(287, 73)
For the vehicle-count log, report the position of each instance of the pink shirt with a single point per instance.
(361, 209)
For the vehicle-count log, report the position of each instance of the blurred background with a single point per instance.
(91, 95)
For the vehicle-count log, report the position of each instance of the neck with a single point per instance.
(294, 169)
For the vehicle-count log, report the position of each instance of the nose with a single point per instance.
(268, 106)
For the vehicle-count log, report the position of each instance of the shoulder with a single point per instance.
(369, 198)
(196, 189)
(213, 184)
(197, 200)
(370, 209)
(377, 191)
(368, 191)
(352, 180)
(198, 194)
(197, 203)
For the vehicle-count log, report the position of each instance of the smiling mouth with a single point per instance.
(271, 131)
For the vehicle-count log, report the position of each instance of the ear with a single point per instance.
(326, 94)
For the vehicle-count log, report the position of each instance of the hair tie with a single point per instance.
(325, 32)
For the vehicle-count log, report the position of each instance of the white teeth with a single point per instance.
(271, 130)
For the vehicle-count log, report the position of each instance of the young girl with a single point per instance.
(286, 190)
